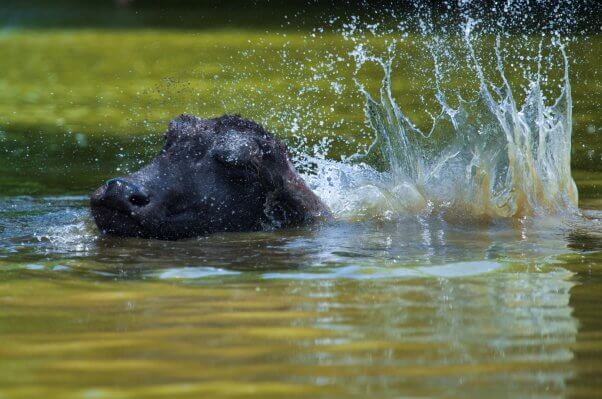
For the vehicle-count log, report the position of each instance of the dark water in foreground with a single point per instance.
(415, 308)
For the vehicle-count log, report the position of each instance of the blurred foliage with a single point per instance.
(80, 104)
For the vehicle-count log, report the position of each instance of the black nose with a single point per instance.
(121, 194)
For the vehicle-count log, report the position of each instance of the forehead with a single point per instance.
(187, 126)
(231, 139)
(189, 130)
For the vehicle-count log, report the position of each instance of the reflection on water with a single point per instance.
(43, 233)
(508, 334)
(419, 307)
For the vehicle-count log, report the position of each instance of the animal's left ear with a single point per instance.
(238, 150)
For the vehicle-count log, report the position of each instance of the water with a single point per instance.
(415, 307)
(462, 262)
(500, 154)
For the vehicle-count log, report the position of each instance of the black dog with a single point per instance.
(212, 175)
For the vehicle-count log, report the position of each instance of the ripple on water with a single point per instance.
(53, 235)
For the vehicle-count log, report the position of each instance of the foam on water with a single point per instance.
(496, 154)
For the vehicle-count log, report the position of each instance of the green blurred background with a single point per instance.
(86, 88)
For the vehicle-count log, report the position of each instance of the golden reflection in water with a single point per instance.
(506, 334)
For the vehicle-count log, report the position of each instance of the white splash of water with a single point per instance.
(493, 156)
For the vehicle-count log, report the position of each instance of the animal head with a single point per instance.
(221, 174)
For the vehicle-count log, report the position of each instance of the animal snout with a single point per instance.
(121, 194)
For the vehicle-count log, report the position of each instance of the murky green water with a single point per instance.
(417, 307)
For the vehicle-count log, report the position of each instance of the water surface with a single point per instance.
(416, 307)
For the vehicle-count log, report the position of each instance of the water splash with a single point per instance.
(498, 154)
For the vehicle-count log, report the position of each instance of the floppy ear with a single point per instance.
(235, 149)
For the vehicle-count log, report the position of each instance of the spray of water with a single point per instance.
(495, 155)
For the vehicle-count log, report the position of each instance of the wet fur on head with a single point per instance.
(217, 174)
